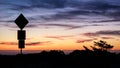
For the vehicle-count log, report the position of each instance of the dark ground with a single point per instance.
(57, 59)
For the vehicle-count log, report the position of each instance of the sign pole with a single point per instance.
(20, 50)
(21, 22)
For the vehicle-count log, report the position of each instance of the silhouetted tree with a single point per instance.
(102, 46)
(87, 49)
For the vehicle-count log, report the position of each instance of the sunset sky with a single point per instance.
(60, 24)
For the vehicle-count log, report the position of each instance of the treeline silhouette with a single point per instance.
(98, 57)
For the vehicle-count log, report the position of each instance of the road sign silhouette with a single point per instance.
(21, 35)
(21, 21)
(21, 43)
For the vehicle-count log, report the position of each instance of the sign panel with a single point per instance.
(21, 21)
(21, 35)
(21, 43)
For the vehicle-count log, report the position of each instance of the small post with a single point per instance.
(21, 51)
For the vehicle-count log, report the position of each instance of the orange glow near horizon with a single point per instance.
(58, 45)
(55, 38)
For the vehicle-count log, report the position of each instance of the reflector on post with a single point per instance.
(21, 35)
(21, 44)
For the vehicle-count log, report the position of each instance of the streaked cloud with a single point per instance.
(59, 37)
(55, 10)
(8, 43)
(27, 44)
(107, 37)
(90, 34)
(33, 43)
(86, 40)
(54, 37)
(48, 25)
(68, 26)
(109, 32)
(106, 32)
(106, 21)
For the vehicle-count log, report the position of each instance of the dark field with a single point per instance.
(57, 59)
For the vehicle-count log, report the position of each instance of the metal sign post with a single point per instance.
(21, 22)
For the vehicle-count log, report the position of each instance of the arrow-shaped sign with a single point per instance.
(21, 21)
